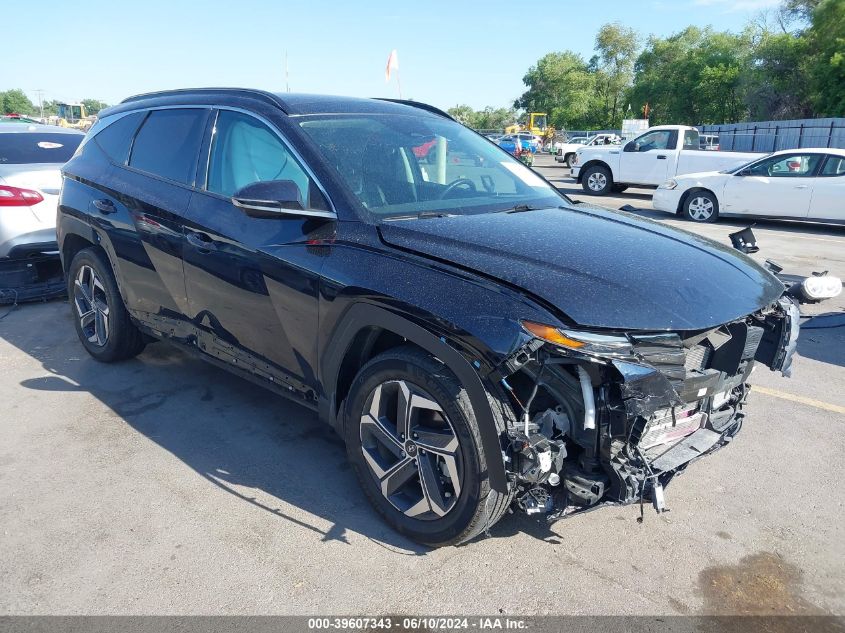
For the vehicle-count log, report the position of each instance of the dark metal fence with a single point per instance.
(771, 136)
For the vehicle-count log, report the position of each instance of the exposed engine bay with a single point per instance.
(612, 419)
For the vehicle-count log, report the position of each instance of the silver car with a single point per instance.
(31, 158)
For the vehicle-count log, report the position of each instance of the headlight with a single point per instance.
(821, 287)
(669, 184)
(580, 341)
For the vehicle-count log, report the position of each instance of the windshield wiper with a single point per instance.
(519, 208)
(422, 215)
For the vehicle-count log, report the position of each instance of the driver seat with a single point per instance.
(383, 176)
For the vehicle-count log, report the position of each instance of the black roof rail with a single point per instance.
(420, 105)
(265, 96)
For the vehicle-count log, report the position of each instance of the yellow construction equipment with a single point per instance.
(73, 115)
(536, 124)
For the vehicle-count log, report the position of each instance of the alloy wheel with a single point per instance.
(92, 307)
(596, 181)
(701, 208)
(411, 449)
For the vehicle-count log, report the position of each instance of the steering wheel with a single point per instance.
(460, 182)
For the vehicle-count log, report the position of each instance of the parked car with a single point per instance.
(649, 160)
(795, 184)
(527, 141)
(565, 151)
(509, 143)
(31, 157)
(478, 340)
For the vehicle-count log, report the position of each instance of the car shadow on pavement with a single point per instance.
(260, 447)
(571, 188)
(822, 338)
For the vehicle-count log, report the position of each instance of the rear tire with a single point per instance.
(422, 466)
(700, 206)
(101, 320)
(597, 180)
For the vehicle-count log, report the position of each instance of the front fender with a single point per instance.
(360, 316)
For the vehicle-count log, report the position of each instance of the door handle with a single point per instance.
(201, 242)
(104, 205)
(661, 157)
(800, 186)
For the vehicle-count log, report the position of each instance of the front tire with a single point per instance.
(701, 206)
(101, 320)
(567, 160)
(597, 180)
(413, 441)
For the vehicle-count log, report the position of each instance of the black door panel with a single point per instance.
(151, 250)
(252, 284)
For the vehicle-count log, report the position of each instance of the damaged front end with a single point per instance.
(612, 418)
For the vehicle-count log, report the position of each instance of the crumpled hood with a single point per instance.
(602, 269)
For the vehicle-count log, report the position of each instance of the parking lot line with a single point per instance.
(794, 398)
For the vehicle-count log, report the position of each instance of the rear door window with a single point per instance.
(834, 166)
(691, 139)
(168, 143)
(25, 148)
(116, 139)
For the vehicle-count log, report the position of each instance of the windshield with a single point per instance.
(736, 170)
(401, 165)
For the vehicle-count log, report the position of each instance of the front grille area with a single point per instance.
(666, 428)
(698, 358)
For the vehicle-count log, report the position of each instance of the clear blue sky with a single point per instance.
(450, 52)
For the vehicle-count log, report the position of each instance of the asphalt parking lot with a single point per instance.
(163, 485)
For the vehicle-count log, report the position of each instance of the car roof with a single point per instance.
(292, 104)
(13, 127)
(810, 150)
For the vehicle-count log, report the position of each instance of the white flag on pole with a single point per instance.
(392, 64)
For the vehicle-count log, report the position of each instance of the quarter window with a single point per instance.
(244, 151)
(116, 139)
(168, 144)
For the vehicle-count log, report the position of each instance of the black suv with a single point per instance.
(477, 338)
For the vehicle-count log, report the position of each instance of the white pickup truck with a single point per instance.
(649, 160)
(565, 151)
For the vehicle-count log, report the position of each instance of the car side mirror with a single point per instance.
(275, 199)
(631, 147)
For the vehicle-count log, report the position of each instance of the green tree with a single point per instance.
(16, 101)
(51, 108)
(561, 85)
(826, 61)
(775, 81)
(495, 118)
(463, 114)
(616, 48)
(93, 106)
(695, 76)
